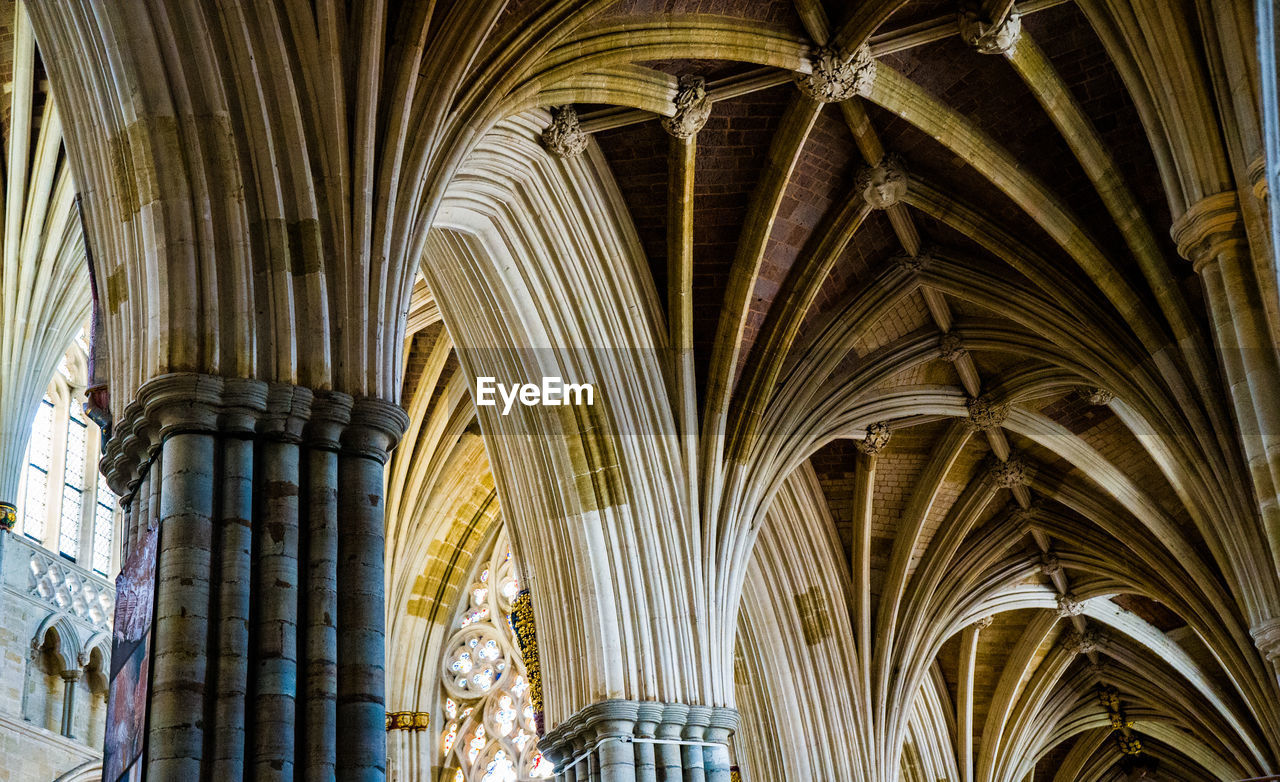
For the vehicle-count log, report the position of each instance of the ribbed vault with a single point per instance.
(937, 339)
(44, 279)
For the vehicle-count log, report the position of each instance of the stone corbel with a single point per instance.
(693, 108)
(876, 439)
(564, 137)
(987, 36)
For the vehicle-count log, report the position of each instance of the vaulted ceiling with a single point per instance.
(916, 407)
(1053, 588)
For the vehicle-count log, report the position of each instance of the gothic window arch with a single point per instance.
(489, 733)
(64, 503)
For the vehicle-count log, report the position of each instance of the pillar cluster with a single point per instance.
(644, 741)
(268, 629)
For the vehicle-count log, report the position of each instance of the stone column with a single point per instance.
(245, 402)
(330, 414)
(1211, 235)
(366, 442)
(648, 716)
(722, 725)
(642, 741)
(70, 678)
(268, 623)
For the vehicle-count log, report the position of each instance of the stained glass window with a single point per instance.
(489, 733)
(73, 488)
(39, 462)
(66, 505)
(103, 520)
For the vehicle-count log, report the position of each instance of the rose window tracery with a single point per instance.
(489, 733)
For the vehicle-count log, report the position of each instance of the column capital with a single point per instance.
(375, 428)
(1257, 174)
(243, 402)
(288, 409)
(1209, 227)
(330, 414)
(724, 718)
(180, 402)
(8, 516)
(1266, 635)
(660, 723)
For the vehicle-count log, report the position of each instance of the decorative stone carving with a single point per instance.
(985, 413)
(1129, 745)
(951, 348)
(836, 77)
(1068, 605)
(8, 516)
(1010, 473)
(885, 183)
(1082, 643)
(1109, 697)
(985, 622)
(876, 439)
(692, 108)
(913, 263)
(68, 588)
(988, 38)
(1049, 564)
(1099, 397)
(564, 137)
(408, 720)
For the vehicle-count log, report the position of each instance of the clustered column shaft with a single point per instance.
(268, 629)
(642, 741)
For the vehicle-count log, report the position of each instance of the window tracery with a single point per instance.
(65, 505)
(489, 733)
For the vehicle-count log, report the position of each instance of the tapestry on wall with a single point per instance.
(131, 663)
